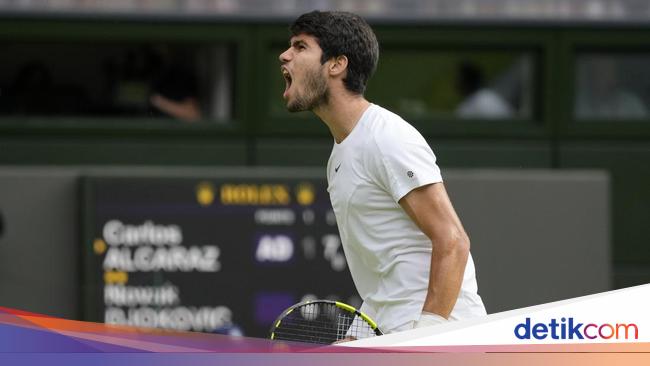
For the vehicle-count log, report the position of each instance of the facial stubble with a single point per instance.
(316, 92)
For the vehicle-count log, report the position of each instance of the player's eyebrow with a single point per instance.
(297, 42)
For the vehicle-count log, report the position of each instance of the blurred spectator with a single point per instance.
(174, 89)
(601, 94)
(131, 86)
(478, 101)
(181, 81)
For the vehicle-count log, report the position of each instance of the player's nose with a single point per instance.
(285, 56)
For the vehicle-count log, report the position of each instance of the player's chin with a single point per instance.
(295, 107)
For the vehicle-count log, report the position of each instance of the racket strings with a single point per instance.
(342, 328)
(321, 323)
(359, 328)
(310, 323)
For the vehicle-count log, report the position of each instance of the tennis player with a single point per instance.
(406, 248)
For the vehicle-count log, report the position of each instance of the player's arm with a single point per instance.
(431, 210)
(187, 109)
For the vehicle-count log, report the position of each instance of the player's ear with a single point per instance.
(338, 65)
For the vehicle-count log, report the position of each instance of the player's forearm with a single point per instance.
(187, 110)
(446, 276)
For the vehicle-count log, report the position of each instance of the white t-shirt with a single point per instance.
(389, 257)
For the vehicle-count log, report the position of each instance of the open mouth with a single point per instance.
(287, 79)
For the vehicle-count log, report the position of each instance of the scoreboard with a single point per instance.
(221, 254)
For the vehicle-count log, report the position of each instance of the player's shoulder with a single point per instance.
(386, 128)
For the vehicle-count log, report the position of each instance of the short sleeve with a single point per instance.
(403, 161)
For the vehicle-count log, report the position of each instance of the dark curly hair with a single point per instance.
(343, 34)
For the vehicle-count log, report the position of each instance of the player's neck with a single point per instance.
(341, 113)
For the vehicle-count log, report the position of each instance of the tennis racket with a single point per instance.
(322, 322)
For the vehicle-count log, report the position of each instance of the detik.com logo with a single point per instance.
(568, 328)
